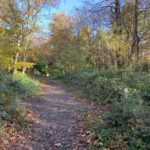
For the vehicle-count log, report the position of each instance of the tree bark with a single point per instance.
(135, 38)
(15, 62)
(118, 19)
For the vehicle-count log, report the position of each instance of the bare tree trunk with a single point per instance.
(117, 17)
(24, 68)
(16, 58)
(24, 60)
(15, 62)
(135, 38)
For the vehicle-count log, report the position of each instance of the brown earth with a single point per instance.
(57, 125)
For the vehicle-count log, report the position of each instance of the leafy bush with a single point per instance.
(56, 71)
(108, 85)
(12, 89)
(26, 86)
(121, 129)
(127, 124)
(41, 68)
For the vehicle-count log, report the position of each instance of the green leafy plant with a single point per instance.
(108, 85)
(12, 89)
(126, 125)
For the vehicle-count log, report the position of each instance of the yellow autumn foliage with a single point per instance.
(26, 65)
(6, 62)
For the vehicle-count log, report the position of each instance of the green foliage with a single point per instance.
(56, 71)
(27, 85)
(12, 89)
(19, 115)
(108, 85)
(41, 68)
(2, 133)
(126, 125)
(123, 129)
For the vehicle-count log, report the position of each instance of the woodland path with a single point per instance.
(57, 125)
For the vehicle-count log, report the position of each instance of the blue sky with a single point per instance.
(65, 6)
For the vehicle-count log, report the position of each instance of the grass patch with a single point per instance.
(12, 90)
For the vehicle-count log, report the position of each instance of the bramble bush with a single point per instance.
(108, 85)
(127, 124)
(122, 128)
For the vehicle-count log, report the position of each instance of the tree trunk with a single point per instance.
(24, 60)
(117, 17)
(15, 62)
(135, 38)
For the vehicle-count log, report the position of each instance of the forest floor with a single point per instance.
(57, 122)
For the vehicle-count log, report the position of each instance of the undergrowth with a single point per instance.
(108, 85)
(12, 90)
(127, 124)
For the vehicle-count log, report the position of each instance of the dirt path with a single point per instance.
(57, 126)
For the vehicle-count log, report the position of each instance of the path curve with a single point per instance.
(57, 126)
